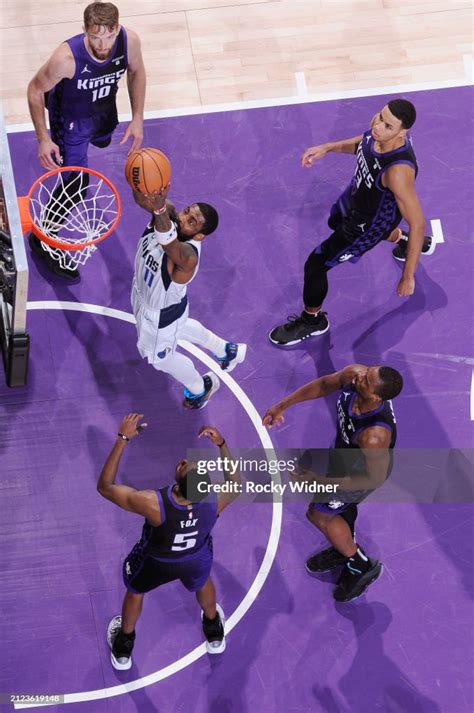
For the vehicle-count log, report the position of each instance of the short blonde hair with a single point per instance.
(101, 14)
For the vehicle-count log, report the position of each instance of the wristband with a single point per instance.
(160, 211)
(168, 237)
(219, 445)
(123, 436)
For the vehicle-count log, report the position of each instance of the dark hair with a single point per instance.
(101, 14)
(403, 110)
(188, 485)
(392, 383)
(211, 217)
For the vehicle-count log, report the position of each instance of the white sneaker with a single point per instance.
(123, 662)
(234, 354)
(215, 633)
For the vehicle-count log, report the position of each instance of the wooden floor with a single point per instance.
(203, 52)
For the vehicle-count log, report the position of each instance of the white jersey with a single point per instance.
(152, 283)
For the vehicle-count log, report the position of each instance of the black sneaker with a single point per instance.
(299, 328)
(234, 354)
(325, 561)
(400, 252)
(120, 645)
(68, 273)
(350, 586)
(196, 401)
(214, 631)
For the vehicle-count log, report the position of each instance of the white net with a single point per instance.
(74, 207)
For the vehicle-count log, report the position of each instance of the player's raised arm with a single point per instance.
(60, 65)
(231, 474)
(141, 502)
(318, 388)
(313, 153)
(136, 84)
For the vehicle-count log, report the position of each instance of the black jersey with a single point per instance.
(184, 531)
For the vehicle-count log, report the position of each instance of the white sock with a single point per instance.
(195, 332)
(183, 370)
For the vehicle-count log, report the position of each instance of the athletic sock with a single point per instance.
(312, 317)
(358, 563)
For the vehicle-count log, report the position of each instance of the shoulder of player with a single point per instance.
(349, 372)
(146, 503)
(400, 176)
(133, 47)
(374, 437)
(61, 64)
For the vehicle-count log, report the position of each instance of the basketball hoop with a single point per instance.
(71, 209)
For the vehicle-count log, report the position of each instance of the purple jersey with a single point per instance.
(185, 530)
(349, 424)
(93, 87)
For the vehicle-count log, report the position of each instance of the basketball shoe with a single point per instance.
(234, 354)
(298, 328)
(351, 584)
(214, 631)
(325, 561)
(400, 252)
(196, 401)
(120, 644)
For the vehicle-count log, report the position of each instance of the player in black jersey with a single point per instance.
(366, 422)
(381, 192)
(176, 541)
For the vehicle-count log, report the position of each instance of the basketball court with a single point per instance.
(405, 645)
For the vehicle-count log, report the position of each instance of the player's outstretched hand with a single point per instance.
(313, 154)
(273, 416)
(130, 426)
(406, 287)
(134, 130)
(151, 201)
(214, 435)
(49, 154)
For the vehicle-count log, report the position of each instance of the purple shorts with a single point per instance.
(142, 572)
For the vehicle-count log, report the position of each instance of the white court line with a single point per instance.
(437, 231)
(301, 87)
(273, 539)
(396, 89)
(472, 395)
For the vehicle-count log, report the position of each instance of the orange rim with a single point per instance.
(28, 224)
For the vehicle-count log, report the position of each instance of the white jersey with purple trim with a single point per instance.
(156, 290)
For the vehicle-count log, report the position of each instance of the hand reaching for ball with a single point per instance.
(152, 201)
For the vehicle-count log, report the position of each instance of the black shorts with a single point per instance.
(143, 572)
(353, 236)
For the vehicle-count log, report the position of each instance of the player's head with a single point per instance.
(187, 478)
(196, 221)
(101, 26)
(394, 120)
(378, 381)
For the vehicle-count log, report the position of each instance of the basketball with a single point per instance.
(148, 170)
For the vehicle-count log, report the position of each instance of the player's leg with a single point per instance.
(359, 570)
(195, 574)
(158, 346)
(228, 354)
(73, 143)
(213, 619)
(312, 321)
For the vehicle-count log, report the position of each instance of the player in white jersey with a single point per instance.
(167, 260)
